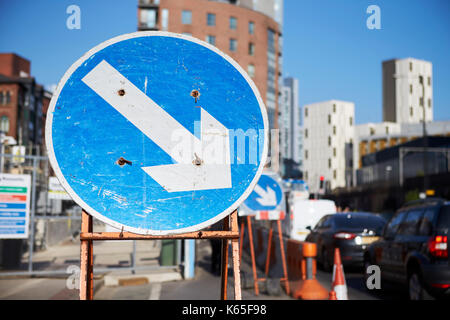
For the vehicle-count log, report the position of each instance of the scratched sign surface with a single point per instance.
(157, 133)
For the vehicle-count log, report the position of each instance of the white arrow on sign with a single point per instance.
(207, 167)
(267, 197)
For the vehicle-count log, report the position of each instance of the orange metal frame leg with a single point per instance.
(87, 260)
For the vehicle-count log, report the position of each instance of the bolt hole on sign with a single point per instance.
(157, 133)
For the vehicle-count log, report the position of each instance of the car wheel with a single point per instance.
(415, 286)
(326, 263)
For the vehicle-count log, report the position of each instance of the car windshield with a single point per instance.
(359, 222)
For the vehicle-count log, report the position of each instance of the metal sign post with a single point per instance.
(266, 202)
(141, 134)
(230, 232)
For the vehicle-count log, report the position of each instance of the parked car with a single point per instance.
(350, 232)
(414, 249)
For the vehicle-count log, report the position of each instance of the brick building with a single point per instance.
(22, 102)
(249, 31)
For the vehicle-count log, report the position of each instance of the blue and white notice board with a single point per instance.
(14, 205)
(145, 133)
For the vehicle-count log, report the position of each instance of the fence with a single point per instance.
(53, 242)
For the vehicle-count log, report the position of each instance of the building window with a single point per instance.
(351, 121)
(334, 152)
(372, 131)
(387, 130)
(306, 175)
(165, 19)
(411, 111)
(148, 18)
(334, 174)
(306, 133)
(251, 48)
(329, 163)
(410, 66)
(329, 119)
(251, 70)
(4, 124)
(334, 108)
(233, 23)
(421, 101)
(429, 81)
(233, 45)
(186, 17)
(334, 129)
(306, 154)
(306, 112)
(8, 97)
(211, 40)
(411, 88)
(329, 141)
(429, 103)
(2, 97)
(251, 27)
(211, 19)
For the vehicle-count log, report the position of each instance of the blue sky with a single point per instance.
(327, 45)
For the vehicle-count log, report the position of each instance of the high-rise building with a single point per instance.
(328, 129)
(22, 101)
(247, 30)
(407, 91)
(290, 127)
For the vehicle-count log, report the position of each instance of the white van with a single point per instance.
(306, 213)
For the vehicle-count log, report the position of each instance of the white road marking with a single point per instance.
(155, 291)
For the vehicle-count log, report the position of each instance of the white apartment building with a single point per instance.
(290, 122)
(407, 90)
(328, 131)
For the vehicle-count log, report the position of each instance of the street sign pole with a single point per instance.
(230, 232)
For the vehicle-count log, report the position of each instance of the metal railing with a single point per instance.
(45, 211)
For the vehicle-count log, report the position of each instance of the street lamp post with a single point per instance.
(425, 139)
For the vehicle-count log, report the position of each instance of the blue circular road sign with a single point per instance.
(267, 195)
(157, 133)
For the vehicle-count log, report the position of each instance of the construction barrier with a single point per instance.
(302, 271)
(271, 252)
(300, 258)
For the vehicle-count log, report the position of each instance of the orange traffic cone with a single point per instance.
(339, 286)
(332, 295)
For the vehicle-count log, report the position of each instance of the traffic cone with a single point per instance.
(339, 286)
(332, 295)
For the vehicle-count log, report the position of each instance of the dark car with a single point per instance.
(350, 232)
(414, 249)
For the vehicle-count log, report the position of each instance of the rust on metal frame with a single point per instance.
(256, 280)
(87, 237)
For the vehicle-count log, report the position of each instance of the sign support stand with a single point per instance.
(285, 279)
(230, 232)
